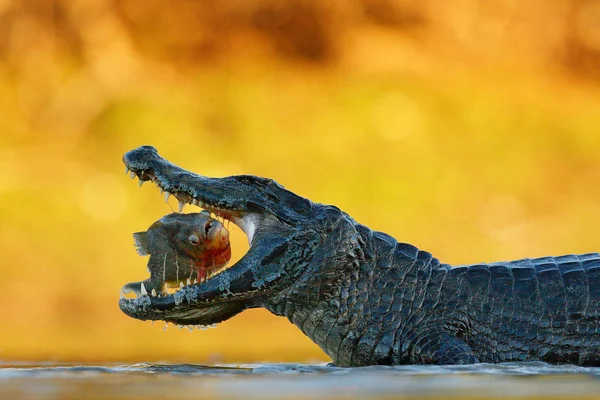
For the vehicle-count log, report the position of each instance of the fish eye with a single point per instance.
(194, 239)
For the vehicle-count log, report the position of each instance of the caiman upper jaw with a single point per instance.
(208, 193)
(232, 196)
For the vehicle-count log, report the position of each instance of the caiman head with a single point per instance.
(284, 231)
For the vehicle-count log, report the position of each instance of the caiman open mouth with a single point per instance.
(242, 200)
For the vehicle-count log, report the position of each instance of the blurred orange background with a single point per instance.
(469, 128)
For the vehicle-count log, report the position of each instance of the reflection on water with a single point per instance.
(185, 381)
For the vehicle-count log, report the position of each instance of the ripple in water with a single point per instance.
(184, 381)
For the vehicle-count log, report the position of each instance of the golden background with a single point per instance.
(469, 128)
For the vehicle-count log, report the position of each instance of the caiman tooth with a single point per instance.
(196, 202)
(122, 295)
(141, 183)
(189, 282)
(126, 170)
(195, 281)
(132, 174)
(143, 290)
(181, 285)
(153, 292)
(167, 195)
(181, 205)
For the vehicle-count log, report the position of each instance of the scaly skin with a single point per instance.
(366, 299)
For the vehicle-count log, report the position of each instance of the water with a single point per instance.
(277, 381)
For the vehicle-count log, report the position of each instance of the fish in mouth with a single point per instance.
(269, 215)
(183, 248)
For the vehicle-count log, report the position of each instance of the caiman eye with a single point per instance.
(195, 240)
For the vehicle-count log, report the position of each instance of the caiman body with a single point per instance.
(367, 299)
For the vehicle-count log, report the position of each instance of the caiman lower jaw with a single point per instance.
(159, 309)
(212, 301)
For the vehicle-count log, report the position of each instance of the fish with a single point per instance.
(183, 249)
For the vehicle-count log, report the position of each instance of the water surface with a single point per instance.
(275, 381)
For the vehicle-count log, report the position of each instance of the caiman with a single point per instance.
(365, 298)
